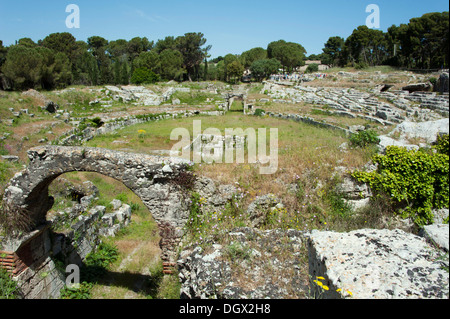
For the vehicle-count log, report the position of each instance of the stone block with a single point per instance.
(437, 234)
(376, 264)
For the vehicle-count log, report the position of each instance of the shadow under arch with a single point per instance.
(126, 280)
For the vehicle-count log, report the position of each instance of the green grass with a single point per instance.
(307, 157)
(194, 98)
(382, 68)
(304, 150)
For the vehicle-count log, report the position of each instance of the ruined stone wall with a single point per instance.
(152, 178)
(74, 136)
(38, 260)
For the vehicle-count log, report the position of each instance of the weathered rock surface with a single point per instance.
(386, 141)
(371, 107)
(437, 234)
(440, 215)
(356, 194)
(442, 84)
(377, 264)
(254, 265)
(130, 93)
(262, 205)
(215, 196)
(422, 131)
(428, 131)
(418, 87)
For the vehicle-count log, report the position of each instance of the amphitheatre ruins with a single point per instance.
(253, 226)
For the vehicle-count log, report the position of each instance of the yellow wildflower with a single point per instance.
(318, 283)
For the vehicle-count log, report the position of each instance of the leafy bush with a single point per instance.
(361, 66)
(102, 257)
(8, 287)
(144, 76)
(364, 138)
(312, 68)
(237, 252)
(3, 171)
(338, 206)
(415, 181)
(3, 150)
(80, 292)
(259, 112)
(433, 81)
(442, 144)
(97, 122)
(203, 222)
(95, 266)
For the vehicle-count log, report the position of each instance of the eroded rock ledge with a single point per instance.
(363, 264)
(253, 264)
(377, 264)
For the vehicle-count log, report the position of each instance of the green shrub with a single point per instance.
(433, 80)
(122, 197)
(364, 138)
(102, 257)
(312, 68)
(237, 252)
(144, 76)
(3, 150)
(3, 171)
(415, 181)
(97, 122)
(361, 66)
(338, 206)
(300, 192)
(442, 144)
(259, 112)
(79, 292)
(95, 266)
(8, 287)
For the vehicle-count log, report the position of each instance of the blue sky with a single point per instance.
(230, 26)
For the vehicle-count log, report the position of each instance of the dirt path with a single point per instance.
(136, 275)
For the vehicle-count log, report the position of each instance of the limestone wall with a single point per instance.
(40, 258)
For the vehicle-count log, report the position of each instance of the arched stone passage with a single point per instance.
(231, 97)
(152, 178)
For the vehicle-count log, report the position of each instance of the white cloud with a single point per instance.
(153, 18)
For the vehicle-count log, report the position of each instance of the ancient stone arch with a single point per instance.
(231, 97)
(154, 179)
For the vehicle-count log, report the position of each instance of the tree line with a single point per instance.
(60, 60)
(423, 43)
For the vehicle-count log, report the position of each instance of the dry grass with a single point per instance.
(305, 152)
(137, 272)
(307, 157)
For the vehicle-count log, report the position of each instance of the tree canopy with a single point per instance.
(423, 43)
(190, 46)
(291, 55)
(264, 68)
(60, 59)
